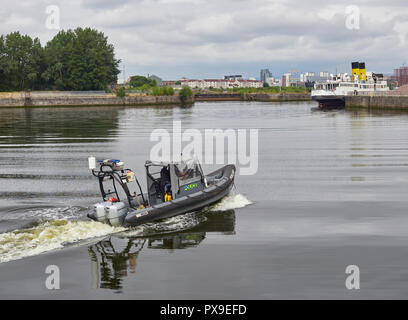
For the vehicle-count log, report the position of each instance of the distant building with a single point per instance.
(390, 80)
(265, 73)
(175, 84)
(221, 83)
(324, 74)
(305, 77)
(233, 77)
(272, 82)
(167, 83)
(401, 76)
(159, 81)
(286, 80)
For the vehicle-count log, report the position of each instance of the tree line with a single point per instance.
(80, 59)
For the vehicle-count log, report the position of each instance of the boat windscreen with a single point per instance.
(187, 171)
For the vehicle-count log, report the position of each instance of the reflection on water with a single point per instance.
(110, 262)
(61, 125)
(116, 257)
(177, 241)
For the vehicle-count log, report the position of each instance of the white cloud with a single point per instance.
(174, 33)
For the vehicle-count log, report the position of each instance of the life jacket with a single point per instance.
(167, 197)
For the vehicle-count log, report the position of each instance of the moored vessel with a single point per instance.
(331, 93)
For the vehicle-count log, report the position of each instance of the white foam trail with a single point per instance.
(176, 223)
(49, 213)
(49, 235)
(231, 201)
(54, 234)
(55, 213)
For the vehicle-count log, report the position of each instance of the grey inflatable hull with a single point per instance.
(220, 184)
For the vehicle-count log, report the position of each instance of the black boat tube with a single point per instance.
(221, 182)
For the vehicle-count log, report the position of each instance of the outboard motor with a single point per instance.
(113, 213)
(116, 213)
(100, 211)
(112, 210)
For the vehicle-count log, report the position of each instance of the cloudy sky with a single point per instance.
(210, 38)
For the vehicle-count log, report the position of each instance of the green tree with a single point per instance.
(58, 58)
(73, 60)
(121, 92)
(80, 60)
(163, 91)
(4, 64)
(185, 94)
(156, 91)
(169, 91)
(21, 62)
(139, 81)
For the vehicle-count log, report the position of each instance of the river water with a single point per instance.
(330, 191)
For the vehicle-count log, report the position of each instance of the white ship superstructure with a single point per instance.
(332, 93)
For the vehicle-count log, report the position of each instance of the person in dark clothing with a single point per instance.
(165, 174)
(165, 179)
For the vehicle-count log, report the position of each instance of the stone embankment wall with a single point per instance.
(99, 98)
(42, 99)
(377, 102)
(218, 97)
(267, 97)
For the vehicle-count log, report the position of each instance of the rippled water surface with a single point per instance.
(330, 191)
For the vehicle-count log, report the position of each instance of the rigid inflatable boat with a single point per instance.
(173, 188)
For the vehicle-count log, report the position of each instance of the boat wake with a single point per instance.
(231, 201)
(41, 212)
(49, 235)
(175, 224)
(62, 228)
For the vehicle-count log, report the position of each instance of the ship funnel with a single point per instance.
(363, 74)
(359, 71)
(355, 67)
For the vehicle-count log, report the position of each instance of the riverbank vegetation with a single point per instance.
(121, 92)
(80, 59)
(143, 85)
(185, 95)
(163, 91)
(141, 81)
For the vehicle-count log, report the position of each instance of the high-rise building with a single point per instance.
(265, 73)
(401, 75)
(286, 80)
